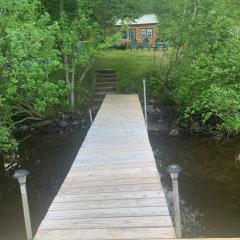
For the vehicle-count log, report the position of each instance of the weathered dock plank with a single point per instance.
(151, 202)
(113, 189)
(106, 233)
(117, 222)
(103, 196)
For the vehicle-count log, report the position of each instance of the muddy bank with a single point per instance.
(63, 122)
(166, 118)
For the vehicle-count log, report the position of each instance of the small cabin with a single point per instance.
(145, 27)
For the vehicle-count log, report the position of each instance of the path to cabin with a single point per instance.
(113, 190)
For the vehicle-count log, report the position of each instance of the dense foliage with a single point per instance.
(201, 76)
(27, 57)
(44, 48)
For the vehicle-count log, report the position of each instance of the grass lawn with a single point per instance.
(128, 61)
(131, 66)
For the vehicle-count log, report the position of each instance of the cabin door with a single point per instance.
(132, 34)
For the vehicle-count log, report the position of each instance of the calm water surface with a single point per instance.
(48, 158)
(209, 183)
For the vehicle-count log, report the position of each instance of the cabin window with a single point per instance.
(143, 33)
(132, 34)
(147, 33)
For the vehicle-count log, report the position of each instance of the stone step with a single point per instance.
(106, 76)
(105, 80)
(105, 83)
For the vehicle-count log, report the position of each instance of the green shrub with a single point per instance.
(202, 73)
(130, 83)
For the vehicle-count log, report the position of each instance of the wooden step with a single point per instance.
(106, 75)
(105, 80)
(105, 84)
(105, 71)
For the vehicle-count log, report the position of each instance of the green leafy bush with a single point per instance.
(27, 57)
(202, 73)
(159, 88)
(7, 143)
(210, 84)
(130, 83)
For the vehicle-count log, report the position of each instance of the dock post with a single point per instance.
(174, 170)
(90, 115)
(145, 102)
(21, 176)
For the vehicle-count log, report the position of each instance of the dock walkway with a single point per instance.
(113, 189)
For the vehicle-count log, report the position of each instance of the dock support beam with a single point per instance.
(174, 170)
(21, 176)
(145, 102)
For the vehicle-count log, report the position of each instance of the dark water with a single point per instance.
(209, 183)
(48, 158)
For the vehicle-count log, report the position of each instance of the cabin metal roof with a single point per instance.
(145, 19)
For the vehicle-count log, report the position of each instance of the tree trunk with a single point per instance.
(61, 7)
(72, 91)
(87, 68)
(66, 62)
(67, 77)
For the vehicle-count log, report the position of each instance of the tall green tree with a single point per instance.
(82, 26)
(39, 38)
(201, 74)
(27, 57)
(76, 41)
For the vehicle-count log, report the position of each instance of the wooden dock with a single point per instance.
(113, 190)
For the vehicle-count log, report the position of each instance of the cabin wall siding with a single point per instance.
(138, 28)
